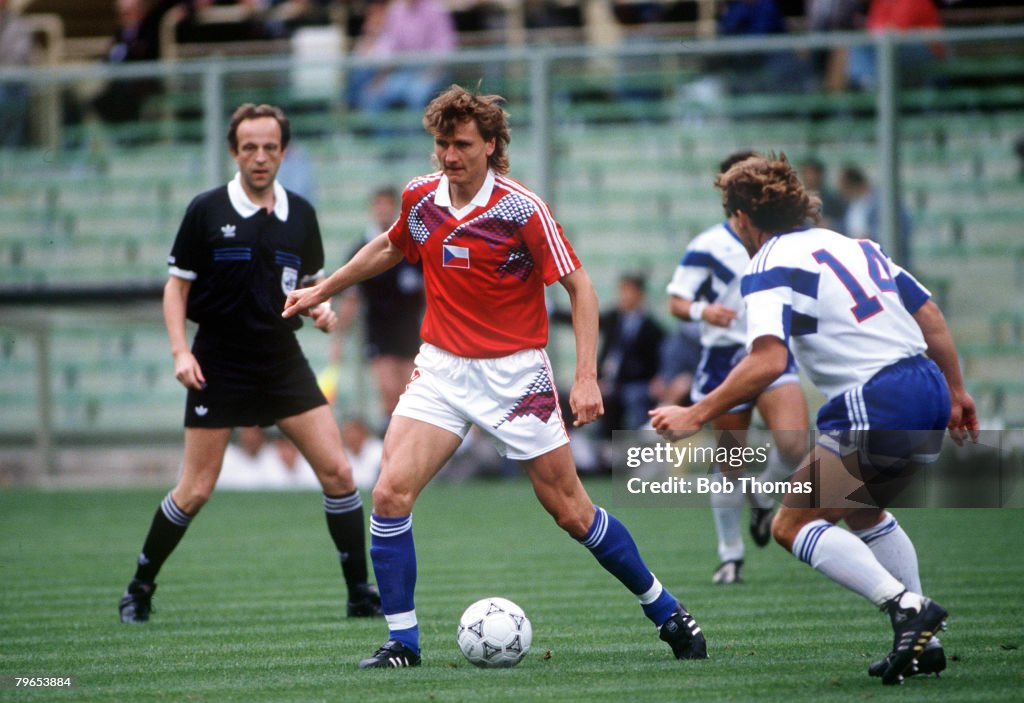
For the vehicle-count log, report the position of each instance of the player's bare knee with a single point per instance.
(575, 521)
(191, 499)
(574, 524)
(391, 502)
(336, 479)
(784, 529)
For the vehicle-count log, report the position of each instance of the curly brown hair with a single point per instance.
(768, 189)
(251, 111)
(457, 105)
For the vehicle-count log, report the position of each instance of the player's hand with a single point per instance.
(324, 317)
(187, 371)
(300, 301)
(718, 315)
(963, 419)
(585, 402)
(674, 422)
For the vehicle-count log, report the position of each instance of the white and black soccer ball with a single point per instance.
(495, 632)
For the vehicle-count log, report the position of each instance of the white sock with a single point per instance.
(893, 550)
(846, 560)
(727, 509)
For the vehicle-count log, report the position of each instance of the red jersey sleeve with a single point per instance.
(548, 245)
(399, 232)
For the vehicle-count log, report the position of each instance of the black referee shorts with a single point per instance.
(243, 389)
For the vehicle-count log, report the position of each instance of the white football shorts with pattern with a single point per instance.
(512, 399)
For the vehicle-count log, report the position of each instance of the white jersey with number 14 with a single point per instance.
(843, 307)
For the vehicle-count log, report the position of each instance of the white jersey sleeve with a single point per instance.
(710, 270)
(844, 308)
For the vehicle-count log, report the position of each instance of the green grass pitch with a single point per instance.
(250, 607)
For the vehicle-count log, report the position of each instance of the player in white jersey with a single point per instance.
(706, 288)
(859, 326)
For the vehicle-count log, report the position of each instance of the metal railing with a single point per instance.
(584, 113)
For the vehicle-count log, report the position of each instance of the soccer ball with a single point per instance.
(494, 632)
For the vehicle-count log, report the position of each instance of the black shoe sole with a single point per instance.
(904, 662)
(931, 661)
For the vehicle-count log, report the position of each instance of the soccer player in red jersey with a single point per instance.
(488, 247)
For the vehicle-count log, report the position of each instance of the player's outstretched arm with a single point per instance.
(585, 396)
(377, 256)
(963, 417)
(766, 361)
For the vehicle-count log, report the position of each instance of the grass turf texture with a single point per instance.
(251, 606)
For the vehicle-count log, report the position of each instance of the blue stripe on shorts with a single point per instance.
(899, 415)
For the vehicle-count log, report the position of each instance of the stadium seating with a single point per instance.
(630, 182)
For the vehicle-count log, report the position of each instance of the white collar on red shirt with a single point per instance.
(443, 198)
(247, 208)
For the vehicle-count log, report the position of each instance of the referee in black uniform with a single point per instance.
(240, 250)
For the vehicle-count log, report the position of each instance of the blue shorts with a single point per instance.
(717, 362)
(898, 416)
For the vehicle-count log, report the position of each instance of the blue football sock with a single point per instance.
(613, 547)
(394, 563)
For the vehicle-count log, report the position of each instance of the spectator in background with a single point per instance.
(916, 61)
(364, 451)
(392, 306)
(260, 460)
(680, 356)
(246, 460)
(15, 50)
(751, 17)
(289, 468)
(243, 20)
(832, 16)
(629, 358)
(549, 14)
(833, 206)
(137, 38)
(284, 17)
(863, 218)
(783, 71)
(393, 28)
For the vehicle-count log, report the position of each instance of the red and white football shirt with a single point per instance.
(485, 269)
